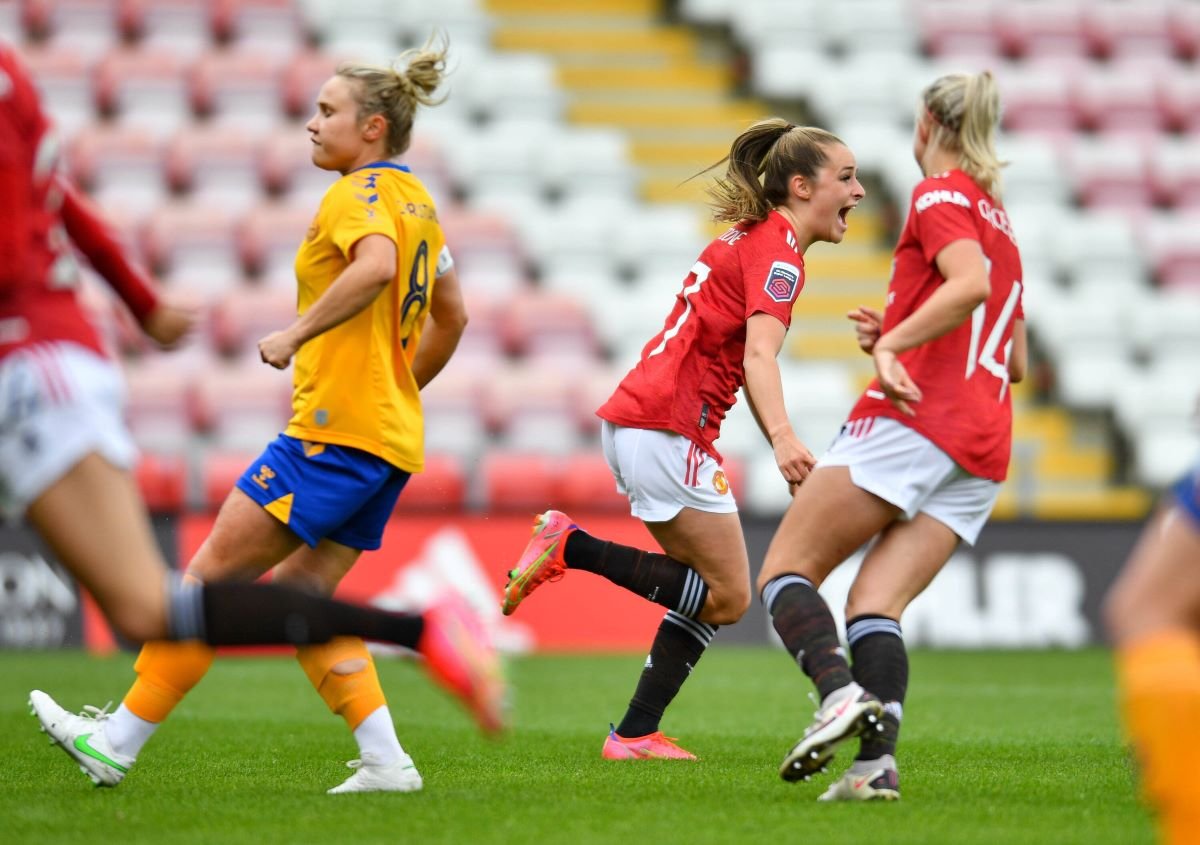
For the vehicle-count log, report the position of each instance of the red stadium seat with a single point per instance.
(1120, 96)
(245, 315)
(1036, 100)
(1185, 29)
(302, 78)
(156, 408)
(108, 155)
(520, 481)
(215, 164)
(518, 392)
(219, 473)
(951, 27)
(62, 74)
(1179, 98)
(241, 407)
(237, 86)
(1175, 171)
(268, 237)
(193, 244)
(1128, 29)
(588, 485)
(441, 486)
(480, 237)
(1110, 172)
(542, 322)
(168, 20)
(244, 21)
(162, 480)
(142, 87)
(73, 22)
(1031, 28)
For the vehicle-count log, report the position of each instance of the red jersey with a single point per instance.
(41, 214)
(966, 407)
(689, 372)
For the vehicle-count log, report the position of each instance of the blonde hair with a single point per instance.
(965, 108)
(760, 162)
(395, 91)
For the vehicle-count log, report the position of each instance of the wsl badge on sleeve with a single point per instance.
(782, 281)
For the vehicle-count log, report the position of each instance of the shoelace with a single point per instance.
(96, 714)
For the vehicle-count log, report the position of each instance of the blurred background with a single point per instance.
(559, 163)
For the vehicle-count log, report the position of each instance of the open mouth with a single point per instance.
(844, 212)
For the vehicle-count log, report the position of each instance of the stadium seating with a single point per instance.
(558, 164)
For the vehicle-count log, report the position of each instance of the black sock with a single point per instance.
(881, 667)
(808, 631)
(656, 577)
(677, 647)
(228, 613)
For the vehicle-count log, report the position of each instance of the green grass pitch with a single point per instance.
(996, 748)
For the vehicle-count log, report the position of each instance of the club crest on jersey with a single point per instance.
(782, 281)
(720, 482)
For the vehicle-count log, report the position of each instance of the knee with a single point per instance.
(726, 607)
(1116, 612)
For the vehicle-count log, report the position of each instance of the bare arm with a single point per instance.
(764, 394)
(447, 321)
(1018, 361)
(966, 285)
(371, 269)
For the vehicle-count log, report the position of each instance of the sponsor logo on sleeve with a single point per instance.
(932, 198)
(782, 281)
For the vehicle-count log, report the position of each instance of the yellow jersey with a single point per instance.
(354, 385)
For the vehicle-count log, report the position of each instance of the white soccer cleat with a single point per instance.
(875, 781)
(369, 776)
(844, 714)
(82, 737)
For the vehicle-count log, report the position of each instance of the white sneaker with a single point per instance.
(401, 776)
(82, 737)
(875, 780)
(844, 714)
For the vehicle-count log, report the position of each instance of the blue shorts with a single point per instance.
(1187, 493)
(322, 491)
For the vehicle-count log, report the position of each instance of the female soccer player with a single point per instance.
(371, 270)
(65, 453)
(919, 462)
(1153, 617)
(786, 187)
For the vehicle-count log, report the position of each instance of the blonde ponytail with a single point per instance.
(395, 92)
(966, 111)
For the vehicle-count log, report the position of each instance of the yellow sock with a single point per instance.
(1159, 685)
(166, 672)
(353, 696)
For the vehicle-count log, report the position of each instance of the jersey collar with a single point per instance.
(391, 165)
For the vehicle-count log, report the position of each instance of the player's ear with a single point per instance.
(799, 187)
(374, 128)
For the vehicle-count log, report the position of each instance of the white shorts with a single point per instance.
(58, 403)
(905, 468)
(663, 472)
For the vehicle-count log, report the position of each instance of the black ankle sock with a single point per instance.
(881, 667)
(656, 577)
(808, 631)
(226, 613)
(677, 648)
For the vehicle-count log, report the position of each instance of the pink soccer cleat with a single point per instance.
(541, 561)
(653, 746)
(460, 657)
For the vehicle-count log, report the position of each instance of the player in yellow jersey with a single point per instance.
(374, 279)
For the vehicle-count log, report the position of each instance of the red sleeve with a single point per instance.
(943, 215)
(97, 242)
(772, 281)
(17, 97)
